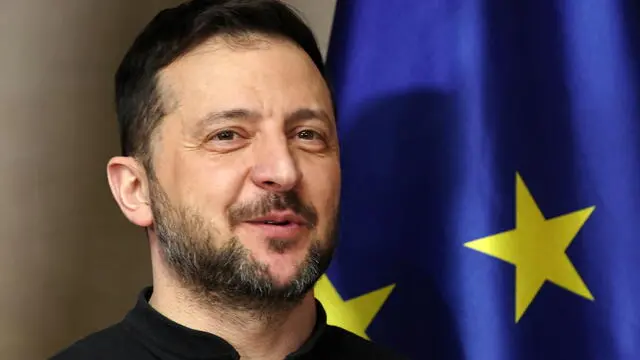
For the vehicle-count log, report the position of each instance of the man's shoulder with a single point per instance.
(352, 346)
(109, 343)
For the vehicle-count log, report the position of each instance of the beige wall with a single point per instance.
(70, 264)
(319, 15)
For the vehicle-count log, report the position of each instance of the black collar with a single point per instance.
(159, 332)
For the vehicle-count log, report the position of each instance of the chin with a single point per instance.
(283, 273)
(283, 265)
(281, 281)
(283, 258)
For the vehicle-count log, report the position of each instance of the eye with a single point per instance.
(226, 140)
(308, 134)
(225, 135)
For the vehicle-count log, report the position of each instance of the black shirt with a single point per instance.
(145, 334)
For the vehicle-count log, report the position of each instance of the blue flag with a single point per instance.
(491, 177)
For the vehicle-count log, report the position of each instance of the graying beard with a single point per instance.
(205, 270)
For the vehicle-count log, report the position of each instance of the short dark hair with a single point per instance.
(174, 32)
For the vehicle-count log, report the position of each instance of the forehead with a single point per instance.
(260, 73)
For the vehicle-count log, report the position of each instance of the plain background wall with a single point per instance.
(70, 263)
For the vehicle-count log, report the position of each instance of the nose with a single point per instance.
(275, 168)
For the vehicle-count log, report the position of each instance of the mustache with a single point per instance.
(270, 202)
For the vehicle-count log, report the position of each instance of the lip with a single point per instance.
(290, 230)
(279, 217)
(294, 226)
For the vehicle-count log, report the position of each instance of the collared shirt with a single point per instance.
(145, 334)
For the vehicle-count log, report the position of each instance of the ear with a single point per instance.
(130, 188)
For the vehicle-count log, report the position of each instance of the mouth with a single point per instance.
(285, 218)
(271, 222)
(279, 225)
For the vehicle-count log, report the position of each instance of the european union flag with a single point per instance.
(491, 168)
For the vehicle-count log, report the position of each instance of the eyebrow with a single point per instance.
(302, 114)
(309, 114)
(217, 117)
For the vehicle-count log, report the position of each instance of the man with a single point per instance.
(231, 164)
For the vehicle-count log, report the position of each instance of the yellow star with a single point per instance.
(353, 315)
(537, 249)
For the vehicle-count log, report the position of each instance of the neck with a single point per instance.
(254, 337)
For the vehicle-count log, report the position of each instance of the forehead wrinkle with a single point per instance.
(169, 77)
(223, 46)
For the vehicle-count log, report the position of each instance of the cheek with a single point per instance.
(212, 187)
(321, 183)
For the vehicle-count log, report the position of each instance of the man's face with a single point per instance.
(246, 176)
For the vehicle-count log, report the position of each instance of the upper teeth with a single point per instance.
(273, 222)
